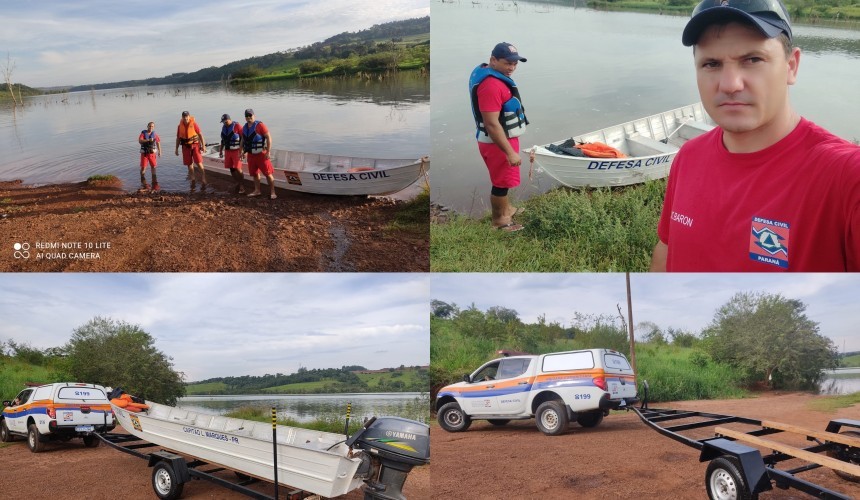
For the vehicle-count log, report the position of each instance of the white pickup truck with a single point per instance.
(554, 388)
(57, 411)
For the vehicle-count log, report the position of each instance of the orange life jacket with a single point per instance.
(600, 150)
(186, 132)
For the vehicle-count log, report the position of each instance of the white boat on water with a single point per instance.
(335, 175)
(322, 463)
(650, 144)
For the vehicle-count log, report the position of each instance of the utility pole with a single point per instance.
(630, 324)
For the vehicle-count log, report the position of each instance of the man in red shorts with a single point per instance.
(500, 120)
(765, 190)
(256, 146)
(150, 149)
(231, 145)
(188, 135)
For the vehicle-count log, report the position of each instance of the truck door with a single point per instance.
(16, 415)
(480, 398)
(513, 385)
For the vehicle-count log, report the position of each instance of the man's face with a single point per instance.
(249, 118)
(228, 122)
(743, 77)
(186, 119)
(150, 127)
(503, 66)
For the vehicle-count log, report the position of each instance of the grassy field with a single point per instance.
(800, 10)
(302, 386)
(850, 361)
(14, 374)
(207, 388)
(374, 380)
(566, 230)
(833, 403)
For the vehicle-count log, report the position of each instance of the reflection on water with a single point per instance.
(68, 137)
(304, 408)
(840, 381)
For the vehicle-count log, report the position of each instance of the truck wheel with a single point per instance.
(498, 422)
(724, 480)
(850, 454)
(590, 419)
(34, 439)
(452, 418)
(90, 441)
(5, 435)
(551, 418)
(165, 483)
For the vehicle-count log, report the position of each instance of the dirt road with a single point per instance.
(72, 471)
(82, 227)
(620, 459)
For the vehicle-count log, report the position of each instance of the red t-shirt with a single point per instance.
(492, 94)
(794, 206)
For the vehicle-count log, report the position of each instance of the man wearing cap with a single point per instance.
(188, 135)
(500, 119)
(150, 149)
(256, 145)
(765, 190)
(231, 144)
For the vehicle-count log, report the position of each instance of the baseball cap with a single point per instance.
(225, 117)
(249, 111)
(507, 51)
(769, 16)
(185, 113)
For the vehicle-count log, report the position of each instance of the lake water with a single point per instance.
(68, 137)
(590, 69)
(307, 407)
(841, 381)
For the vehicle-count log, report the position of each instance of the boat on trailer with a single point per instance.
(333, 175)
(649, 145)
(322, 463)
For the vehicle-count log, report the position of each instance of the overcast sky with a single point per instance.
(686, 301)
(234, 324)
(56, 43)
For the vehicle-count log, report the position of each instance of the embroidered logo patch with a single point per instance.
(769, 242)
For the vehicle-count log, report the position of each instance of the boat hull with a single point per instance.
(333, 175)
(304, 460)
(642, 140)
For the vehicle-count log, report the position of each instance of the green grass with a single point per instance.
(102, 178)
(850, 361)
(566, 230)
(6, 201)
(800, 10)
(833, 403)
(303, 386)
(14, 374)
(374, 380)
(207, 388)
(413, 215)
(679, 374)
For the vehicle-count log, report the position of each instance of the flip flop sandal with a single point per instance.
(511, 228)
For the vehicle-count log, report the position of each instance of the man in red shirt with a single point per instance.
(766, 190)
(500, 119)
(189, 136)
(150, 149)
(231, 145)
(256, 146)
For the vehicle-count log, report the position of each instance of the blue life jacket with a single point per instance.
(254, 142)
(513, 114)
(229, 138)
(148, 147)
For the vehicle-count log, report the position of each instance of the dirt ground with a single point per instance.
(621, 458)
(70, 470)
(79, 227)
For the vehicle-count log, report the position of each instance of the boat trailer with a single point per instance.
(737, 470)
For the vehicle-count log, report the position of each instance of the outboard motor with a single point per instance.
(395, 445)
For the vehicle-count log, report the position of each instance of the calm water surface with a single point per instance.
(589, 69)
(68, 137)
(307, 407)
(842, 381)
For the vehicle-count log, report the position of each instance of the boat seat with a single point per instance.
(649, 146)
(704, 127)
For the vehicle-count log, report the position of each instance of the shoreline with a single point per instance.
(101, 227)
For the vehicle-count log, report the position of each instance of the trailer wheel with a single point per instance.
(724, 480)
(91, 441)
(551, 418)
(590, 419)
(850, 454)
(5, 435)
(452, 418)
(498, 422)
(165, 483)
(34, 439)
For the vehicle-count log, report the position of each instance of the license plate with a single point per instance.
(84, 428)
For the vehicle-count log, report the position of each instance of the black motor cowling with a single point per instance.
(398, 445)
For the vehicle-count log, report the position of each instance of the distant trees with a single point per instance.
(119, 354)
(771, 339)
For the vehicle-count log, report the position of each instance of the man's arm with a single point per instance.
(268, 145)
(658, 258)
(497, 134)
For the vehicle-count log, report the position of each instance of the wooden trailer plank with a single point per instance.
(791, 450)
(828, 436)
